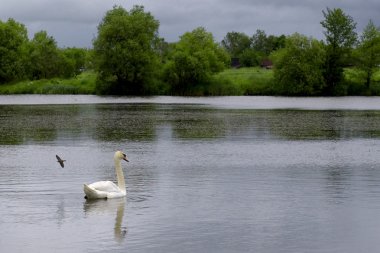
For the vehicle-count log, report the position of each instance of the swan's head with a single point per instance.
(121, 156)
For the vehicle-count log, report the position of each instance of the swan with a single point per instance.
(108, 189)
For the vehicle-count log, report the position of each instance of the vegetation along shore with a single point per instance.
(129, 58)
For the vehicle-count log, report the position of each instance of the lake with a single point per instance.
(219, 174)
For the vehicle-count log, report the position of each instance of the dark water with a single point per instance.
(205, 175)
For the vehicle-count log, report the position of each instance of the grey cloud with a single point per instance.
(73, 22)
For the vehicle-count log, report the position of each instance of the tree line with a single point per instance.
(38, 58)
(130, 58)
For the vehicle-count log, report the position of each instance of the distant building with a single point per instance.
(268, 64)
(235, 62)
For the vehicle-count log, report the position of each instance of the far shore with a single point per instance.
(254, 81)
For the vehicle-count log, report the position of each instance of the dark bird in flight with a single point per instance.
(60, 161)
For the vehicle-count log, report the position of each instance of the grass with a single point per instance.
(242, 81)
(232, 82)
(355, 83)
(81, 84)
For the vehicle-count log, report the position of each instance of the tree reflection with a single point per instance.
(312, 125)
(141, 122)
(198, 124)
(337, 182)
(125, 122)
(23, 124)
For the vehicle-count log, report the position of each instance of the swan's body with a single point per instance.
(108, 189)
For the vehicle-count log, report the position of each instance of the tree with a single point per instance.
(13, 41)
(195, 57)
(124, 53)
(74, 59)
(340, 37)
(236, 43)
(299, 66)
(275, 43)
(250, 58)
(162, 48)
(44, 56)
(260, 43)
(369, 51)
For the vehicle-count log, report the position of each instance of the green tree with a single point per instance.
(236, 43)
(125, 58)
(250, 58)
(13, 41)
(264, 45)
(299, 67)
(275, 42)
(73, 61)
(162, 48)
(45, 60)
(267, 44)
(340, 37)
(259, 42)
(193, 60)
(368, 51)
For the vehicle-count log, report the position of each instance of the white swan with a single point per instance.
(108, 189)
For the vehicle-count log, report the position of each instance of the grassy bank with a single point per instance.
(243, 81)
(81, 84)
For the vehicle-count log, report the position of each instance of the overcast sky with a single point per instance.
(74, 22)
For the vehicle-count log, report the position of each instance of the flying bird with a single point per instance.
(60, 161)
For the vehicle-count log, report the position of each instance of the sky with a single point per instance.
(73, 23)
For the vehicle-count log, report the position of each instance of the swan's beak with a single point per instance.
(125, 158)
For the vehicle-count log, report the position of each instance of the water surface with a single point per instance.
(234, 174)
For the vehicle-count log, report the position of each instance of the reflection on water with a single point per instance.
(142, 122)
(205, 175)
(106, 207)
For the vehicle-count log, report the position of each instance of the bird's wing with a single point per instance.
(60, 161)
(106, 186)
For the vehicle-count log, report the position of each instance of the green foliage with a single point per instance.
(340, 37)
(124, 53)
(242, 81)
(75, 61)
(368, 52)
(13, 39)
(250, 58)
(84, 83)
(44, 56)
(259, 42)
(39, 58)
(130, 59)
(251, 51)
(236, 43)
(193, 60)
(299, 67)
(267, 44)
(46, 60)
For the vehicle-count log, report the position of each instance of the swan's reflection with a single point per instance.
(101, 206)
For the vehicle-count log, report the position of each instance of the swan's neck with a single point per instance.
(120, 175)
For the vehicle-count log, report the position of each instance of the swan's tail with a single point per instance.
(92, 193)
